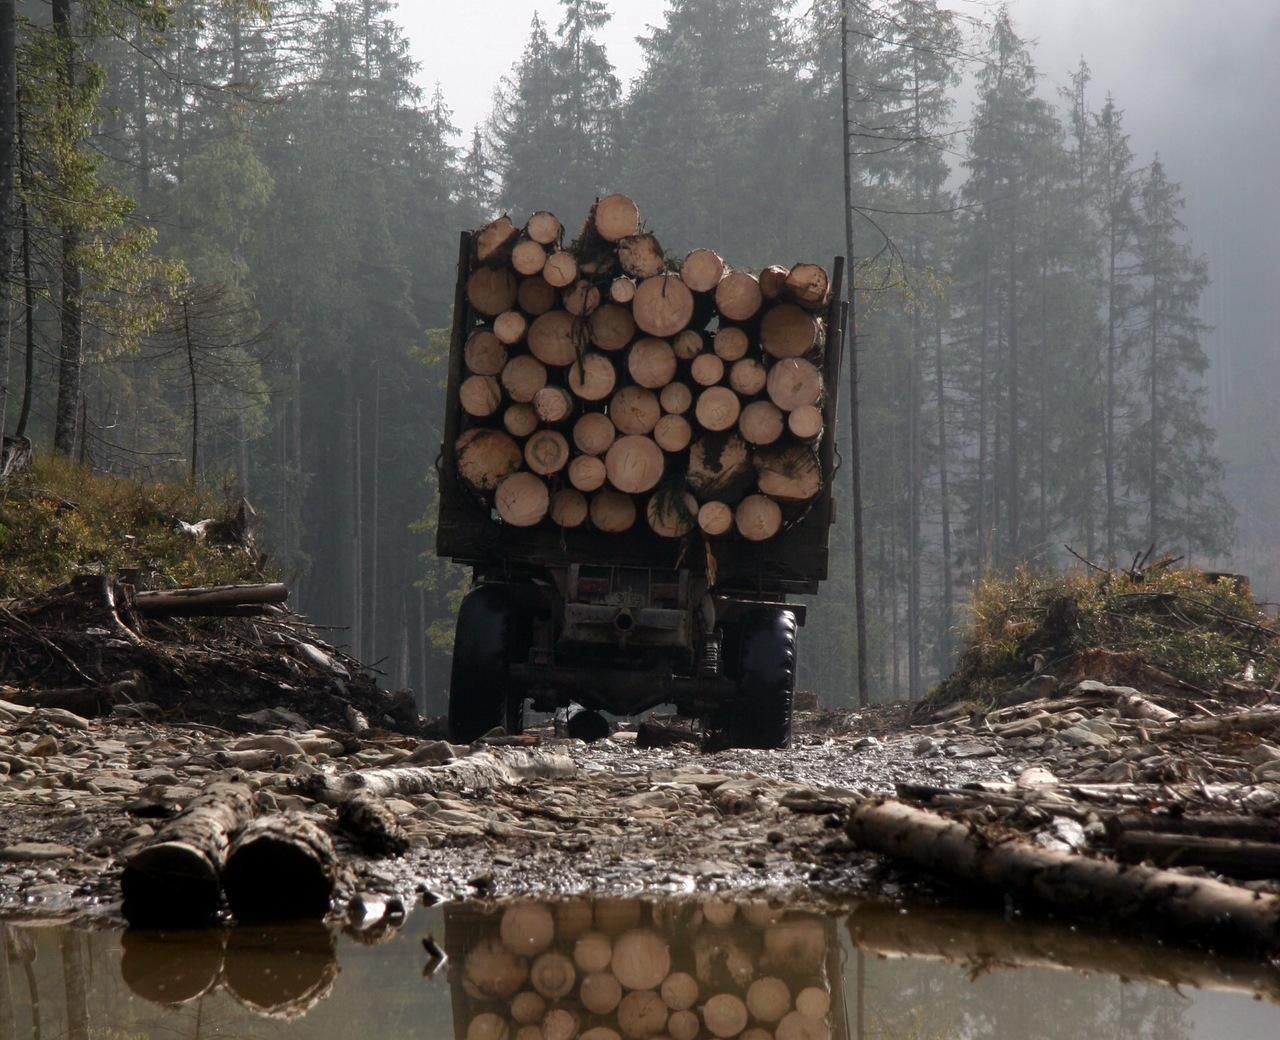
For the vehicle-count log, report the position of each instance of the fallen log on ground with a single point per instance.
(280, 867)
(174, 881)
(1190, 909)
(373, 826)
(210, 600)
(1234, 857)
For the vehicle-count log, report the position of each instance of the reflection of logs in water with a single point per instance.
(624, 970)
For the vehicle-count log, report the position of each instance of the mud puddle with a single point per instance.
(604, 969)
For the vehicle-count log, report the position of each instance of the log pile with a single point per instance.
(609, 387)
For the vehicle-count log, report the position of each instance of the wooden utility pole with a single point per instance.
(855, 444)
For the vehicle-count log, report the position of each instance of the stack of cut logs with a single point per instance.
(603, 383)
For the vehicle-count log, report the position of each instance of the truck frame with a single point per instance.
(625, 623)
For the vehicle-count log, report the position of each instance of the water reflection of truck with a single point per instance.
(602, 969)
(625, 622)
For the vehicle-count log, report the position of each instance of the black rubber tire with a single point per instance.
(493, 629)
(764, 665)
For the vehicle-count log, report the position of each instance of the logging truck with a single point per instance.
(637, 463)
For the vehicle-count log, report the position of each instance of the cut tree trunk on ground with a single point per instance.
(688, 344)
(546, 452)
(493, 241)
(569, 505)
(748, 377)
(175, 880)
(612, 511)
(791, 473)
(794, 383)
(702, 270)
(1250, 828)
(738, 296)
(634, 464)
(544, 228)
(528, 257)
(1235, 857)
(675, 398)
(553, 339)
(758, 518)
(663, 305)
(480, 396)
(480, 772)
(715, 518)
(492, 290)
(522, 377)
(1184, 907)
(510, 327)
(281, 867)
(673, 433)
(522, 499)
(593, 379)
(641, 255)
(651, 362)
(560, 270)
(553, 404)
(374, 827)
(612, 327)
(761, 423)
(485, 458)
(582, 300)
(805, 422)
(720, 467)
(536, 296)
(195, 601)
(635, 410)
(788, 331)
(615, 217)
(808, 285)
(622, 289)
(773, 280)
(587, 472)
(1261, 720)
(717, 409)
(730, 343)
(707, 370)
(484, 353)
(520, 420)
(672, 515)
(593, 433)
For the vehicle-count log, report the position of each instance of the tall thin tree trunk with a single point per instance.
(427, 698)
(142, 127)
(1153, 462)
(983, 519)
(195, 390)
(915, 468)
(1042, 386)
(1015, 395)
(895, 649)
(945, 501)
(357, 569)
(8, 181)
(28, 306)
(855, 443)
(376, 519)
(1109, 448)
(71, 333)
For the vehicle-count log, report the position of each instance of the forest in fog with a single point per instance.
(237, 241)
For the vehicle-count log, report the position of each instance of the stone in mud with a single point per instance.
(26, 851)
(1079, 736)
(924, 746)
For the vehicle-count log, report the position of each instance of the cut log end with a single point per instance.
(593, 378)
(738, 296)
(484, 353)
(717, 409)
(544, 228)
(560, 270)
(587, 473)
(675, 398)
(280, 867)
(663, 305)
(485, 457)
(492, 290)
(651, 362)
(788, 331)
(634, 464)
(634, 410)
(671, 515)
(593, 433)
(546, 452)
(612, 511)
(522, 499)
(615, 217)
(480, 396)
(715, 518)
(702, 270)
(758, 518)
(641, 255)
(553, 338)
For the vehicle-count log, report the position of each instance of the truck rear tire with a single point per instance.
(493, 630)
(764, 662)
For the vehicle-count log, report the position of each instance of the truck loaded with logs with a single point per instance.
(637, 465)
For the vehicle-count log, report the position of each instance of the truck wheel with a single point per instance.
(492, 631)
(764, 664)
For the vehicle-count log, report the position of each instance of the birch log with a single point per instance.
(281, 867)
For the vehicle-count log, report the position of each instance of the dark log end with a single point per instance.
(281, 868)
(171, 885)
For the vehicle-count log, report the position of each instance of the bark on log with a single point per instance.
(688, 344)
(634, 410)
(715, 518)
(807, 285)
(651, 362)
(594, 378)
(738, 296)
(671, 515)
(520, 420)
(528, 257)
(560, 270)
(758, 518)
(761, 423)
(522, 377)
(612, 327)
(748, 377)
(492, 290)
(485, 457)
(553, 404)
(581, 300)
(640, 255)
(673, 433)
(480, 772)
(280, 867)
(510, 327)
(553, 339)
(546, 452)
(730, 343)
(663, 305)
(1251, 828)
(587, 472)
(794, 383)
(707, 370)
(675, 398)
(791, 473)
(569, 505)
(788, 331)
(720, 467)
(494, 240)
(717, 409)
(480, 396)
(702, 270)
(175, 880)
(634, 464)
(1188, 908)
(615, 217)
(544, 228)
(1235, 857)
(373, 826)
(593, 433)
(622, 289)
(805, 422)
(522, 499)
(536, 296)
(1255, 721)
(612, 511)
(773, 280)
(484, 353)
